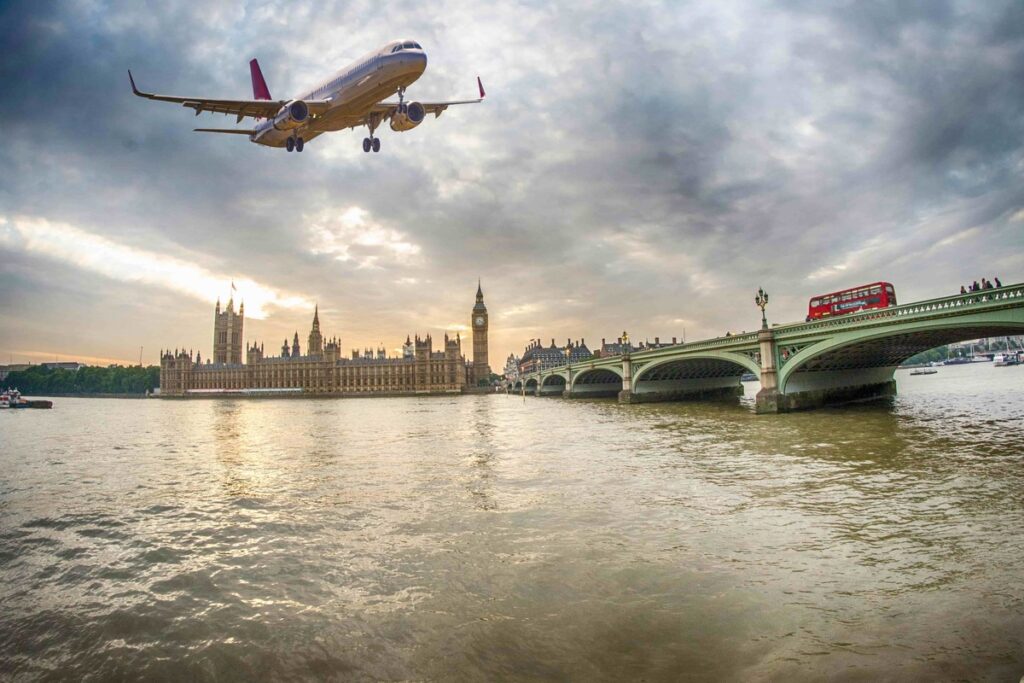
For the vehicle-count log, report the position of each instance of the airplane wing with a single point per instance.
(236, 131)
(388, 108)
(257, 109)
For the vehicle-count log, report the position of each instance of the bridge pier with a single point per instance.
(595, 392)
(626, 395)
(768, 398)
(807, 390)
(817, 398)
(683, 393)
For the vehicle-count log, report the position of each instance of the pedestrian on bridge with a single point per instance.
(998, 283)
(986, 284)
(963, 290)
(974, 286)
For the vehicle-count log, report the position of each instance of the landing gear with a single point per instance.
(289, 144)
(299, 143)
(294, 144)
(371, 142)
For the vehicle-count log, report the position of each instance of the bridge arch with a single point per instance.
(700, 375)
(553, 384)
(869, 355)
(596, 382)
(531, 384)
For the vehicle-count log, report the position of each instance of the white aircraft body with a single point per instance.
(351, 98)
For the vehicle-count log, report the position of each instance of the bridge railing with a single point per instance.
(984, 297)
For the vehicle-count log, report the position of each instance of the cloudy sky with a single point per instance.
(636, 165)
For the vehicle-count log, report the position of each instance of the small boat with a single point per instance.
(1002, 360)
(12, 399)
(924, 371)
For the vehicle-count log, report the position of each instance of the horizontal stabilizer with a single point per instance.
(236, 131)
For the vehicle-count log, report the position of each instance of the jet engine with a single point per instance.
(292, 115)
(408, 116)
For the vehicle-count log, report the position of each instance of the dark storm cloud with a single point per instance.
(635, 165)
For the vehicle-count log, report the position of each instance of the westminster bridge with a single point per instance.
(801, 365)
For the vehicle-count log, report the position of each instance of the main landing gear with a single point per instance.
(372, 121)
(294, 143)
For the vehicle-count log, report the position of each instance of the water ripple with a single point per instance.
(492, 538)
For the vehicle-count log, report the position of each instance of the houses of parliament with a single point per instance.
(322, 369)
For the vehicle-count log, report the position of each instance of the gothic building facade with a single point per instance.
(227, 333)
(322, 369)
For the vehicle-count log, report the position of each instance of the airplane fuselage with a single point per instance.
(352, 92)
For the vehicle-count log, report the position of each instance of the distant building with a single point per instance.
(322, 369)
(617, 348)
(63, 365)
(511, 371)
(14, 367)
(53, 365)
(539, 357)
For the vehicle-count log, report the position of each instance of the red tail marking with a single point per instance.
(260, 91)
(479, 84)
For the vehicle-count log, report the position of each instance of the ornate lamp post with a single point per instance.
(626, 395)
(761, 300)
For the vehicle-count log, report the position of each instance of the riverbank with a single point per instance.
(206, 395)
(83, 395)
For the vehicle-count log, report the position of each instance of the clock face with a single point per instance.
(479, 321)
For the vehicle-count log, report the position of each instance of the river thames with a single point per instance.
(497, 538)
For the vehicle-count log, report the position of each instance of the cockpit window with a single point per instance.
(409, 45)
(417, 46)
(396, 48)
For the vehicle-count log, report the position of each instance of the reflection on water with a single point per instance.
(495, 538)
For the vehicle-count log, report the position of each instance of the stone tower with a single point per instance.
(315, 347)
(481, 370)
(227, 333)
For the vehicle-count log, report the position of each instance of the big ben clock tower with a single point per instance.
(481, 370)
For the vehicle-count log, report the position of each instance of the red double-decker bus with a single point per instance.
(865, 297)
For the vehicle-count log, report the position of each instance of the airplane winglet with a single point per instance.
(479, 84)
(132, 80)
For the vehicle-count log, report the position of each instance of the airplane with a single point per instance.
(351, 98)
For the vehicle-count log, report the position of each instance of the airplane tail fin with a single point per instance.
(260, 91)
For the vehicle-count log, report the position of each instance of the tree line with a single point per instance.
(116, 379)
